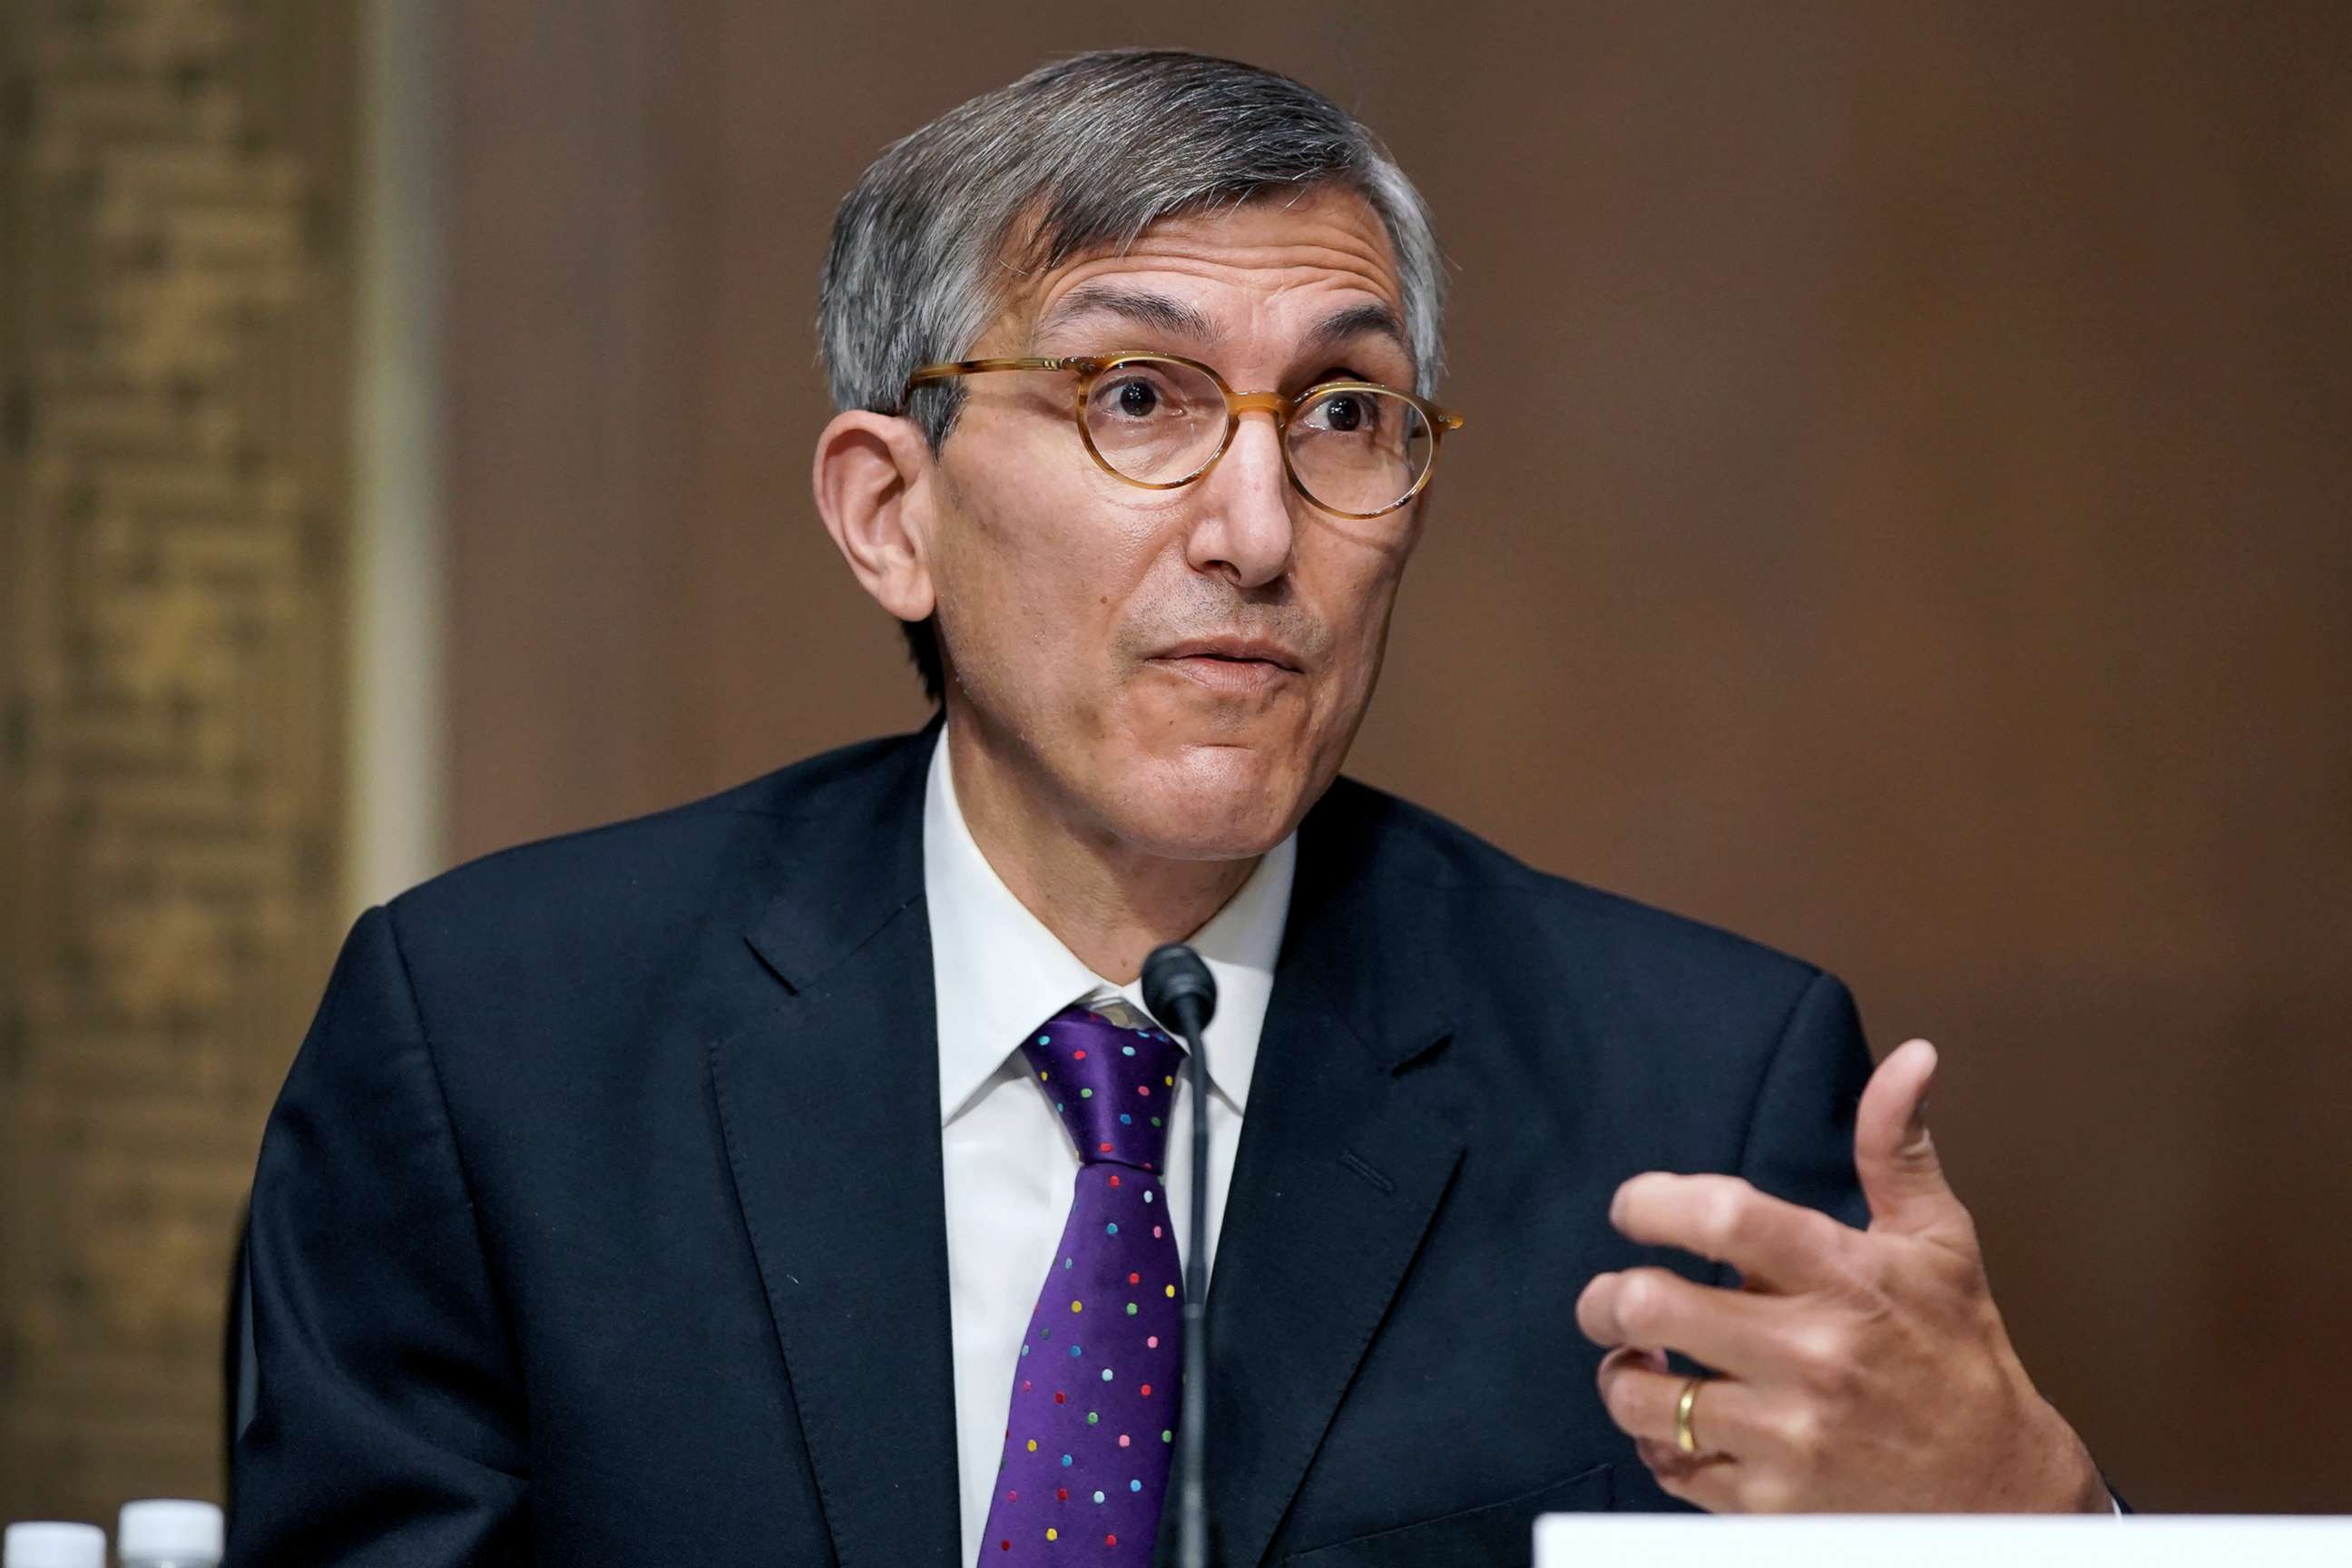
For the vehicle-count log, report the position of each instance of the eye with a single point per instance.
(1345, 412)
(1145, 393)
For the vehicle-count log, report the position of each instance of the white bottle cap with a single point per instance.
(169, 1528)
(44, 1544)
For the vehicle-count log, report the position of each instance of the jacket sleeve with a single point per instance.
(1800, 1137)
(389, 1427)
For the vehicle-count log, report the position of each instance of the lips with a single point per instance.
(1235, 650)
(1232, 668)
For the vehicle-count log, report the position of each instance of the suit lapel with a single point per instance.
(829, 1109)
(1339, 1174)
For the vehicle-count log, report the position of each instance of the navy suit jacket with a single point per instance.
(600, 1219)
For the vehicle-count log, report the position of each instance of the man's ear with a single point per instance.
(869, 478)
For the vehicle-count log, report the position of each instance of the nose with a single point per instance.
(1245, 527)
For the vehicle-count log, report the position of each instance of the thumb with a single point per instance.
(1893, 1155)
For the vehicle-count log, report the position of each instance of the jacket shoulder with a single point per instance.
(613, 917)
(1551, 920)
(677, 853)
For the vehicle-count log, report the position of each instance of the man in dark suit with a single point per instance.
(683, 1191)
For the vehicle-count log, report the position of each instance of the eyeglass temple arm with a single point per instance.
(946, 369)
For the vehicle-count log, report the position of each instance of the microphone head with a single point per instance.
(1178, 986)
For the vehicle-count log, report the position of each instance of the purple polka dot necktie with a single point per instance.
(1092, 1423)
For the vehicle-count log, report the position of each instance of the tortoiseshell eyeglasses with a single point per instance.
(1355, 449)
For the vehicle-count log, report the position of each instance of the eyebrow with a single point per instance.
(1140, 306)
(1357, 320)
(1160, 312)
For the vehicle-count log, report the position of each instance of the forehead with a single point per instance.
(1312, 248)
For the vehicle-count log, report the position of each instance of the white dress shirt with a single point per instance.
(1009, 1168)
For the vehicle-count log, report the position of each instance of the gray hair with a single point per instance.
(1091, 150)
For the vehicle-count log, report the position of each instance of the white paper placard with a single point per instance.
(1916, 1540)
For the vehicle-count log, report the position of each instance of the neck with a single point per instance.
(1106, 901)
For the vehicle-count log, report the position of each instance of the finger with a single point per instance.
(1735, 1331)
(1774, 1244)
(1710, 1481)
(1894, 1156)
(1642, 1399)
(1701, 1479)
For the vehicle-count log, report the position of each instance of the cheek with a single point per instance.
(1361, 594)
(1032, 572)
(1008, 608)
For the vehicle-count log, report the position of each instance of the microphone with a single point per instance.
(1178, 990)
(1178, 986)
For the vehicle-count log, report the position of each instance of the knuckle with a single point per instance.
(1642, 1303)
(1632, 1302)
(1723, 1215)
(1801, 1432)
(1767, 1491)
(1825, 1352)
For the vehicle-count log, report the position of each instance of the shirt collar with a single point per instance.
(998, 972)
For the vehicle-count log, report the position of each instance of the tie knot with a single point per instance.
(1111, 1083)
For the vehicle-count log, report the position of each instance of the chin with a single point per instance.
(1214, 802)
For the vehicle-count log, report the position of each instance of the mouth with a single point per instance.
(1234, 650)
(1236, 666)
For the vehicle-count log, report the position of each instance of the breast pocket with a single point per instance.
(1493, 1535)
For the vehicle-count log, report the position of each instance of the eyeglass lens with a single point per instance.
(1353, 450)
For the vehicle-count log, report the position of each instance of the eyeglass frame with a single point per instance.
(1091, 368)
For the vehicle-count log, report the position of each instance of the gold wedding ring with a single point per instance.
(1685, 1438)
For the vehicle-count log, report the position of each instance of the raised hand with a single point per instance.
(1854, 1371)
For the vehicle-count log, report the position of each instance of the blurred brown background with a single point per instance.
(1906, 516)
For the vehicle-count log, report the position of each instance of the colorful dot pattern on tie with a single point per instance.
(1071, 1476)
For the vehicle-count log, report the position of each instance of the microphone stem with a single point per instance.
(1193, 1516)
